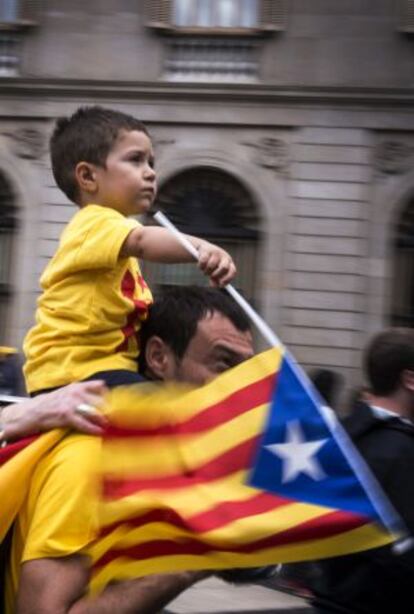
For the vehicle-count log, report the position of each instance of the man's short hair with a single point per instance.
(176, 312)
(386, 357)
(86, 136)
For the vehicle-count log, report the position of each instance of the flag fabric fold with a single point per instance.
(17, 463)
(248, 470)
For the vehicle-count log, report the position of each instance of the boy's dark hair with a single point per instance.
(176, 312)
(88, 135)
(386, 357)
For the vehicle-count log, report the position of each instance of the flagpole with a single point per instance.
(257, 320)
(6, 399)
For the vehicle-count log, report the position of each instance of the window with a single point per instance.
(230, 16)
(8, 227)
(215, 13)
(406, 16)
(209, 203)
(15, 17)
(402, 308)
(20, 13)
(214, 40)
(9, 11)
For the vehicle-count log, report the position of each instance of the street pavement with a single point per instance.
(213, 596)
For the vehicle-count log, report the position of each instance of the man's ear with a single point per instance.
(407, 378)
(159, 358)
(86, 177)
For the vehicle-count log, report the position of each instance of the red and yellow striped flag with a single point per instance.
(183, 472)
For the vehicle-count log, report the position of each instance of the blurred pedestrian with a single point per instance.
(381, 425)
(328, 383)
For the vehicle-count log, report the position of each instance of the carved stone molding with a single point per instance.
(392, 157)
(272, 154)
(27, 143)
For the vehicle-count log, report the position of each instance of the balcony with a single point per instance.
(205, 59)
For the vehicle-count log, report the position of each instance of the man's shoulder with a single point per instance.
(74, 458)
(384, 441)
(363, 420)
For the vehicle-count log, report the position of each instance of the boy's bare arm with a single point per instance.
(159, 245)
(57, 586)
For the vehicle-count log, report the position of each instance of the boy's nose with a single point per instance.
(150, 172)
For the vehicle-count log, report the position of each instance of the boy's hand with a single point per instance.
(216, 263)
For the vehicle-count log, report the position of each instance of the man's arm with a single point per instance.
(57, 409)
(57, 586)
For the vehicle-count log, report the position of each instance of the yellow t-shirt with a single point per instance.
(59, 515)
(92, 304)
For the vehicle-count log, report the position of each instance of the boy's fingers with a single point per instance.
(210, 264)
(224, 274)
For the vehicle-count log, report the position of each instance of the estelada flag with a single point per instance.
(248, 470)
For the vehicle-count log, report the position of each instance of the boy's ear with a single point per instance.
(86, 177)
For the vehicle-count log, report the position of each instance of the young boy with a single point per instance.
(94, 296)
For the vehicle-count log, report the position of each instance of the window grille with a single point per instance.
(212, 59)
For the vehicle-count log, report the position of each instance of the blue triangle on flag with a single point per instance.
(298, 456)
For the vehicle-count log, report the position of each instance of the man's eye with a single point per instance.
(222, 365)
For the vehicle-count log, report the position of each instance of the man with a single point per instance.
(192, 335)
(379, 581)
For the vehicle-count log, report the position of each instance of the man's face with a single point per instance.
(216, 346)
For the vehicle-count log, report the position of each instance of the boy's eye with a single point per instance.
(151, 162)
(137, 157)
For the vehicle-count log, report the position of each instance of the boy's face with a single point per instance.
(127, 183)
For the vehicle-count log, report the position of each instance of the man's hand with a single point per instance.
(216, 263)
(58, 409)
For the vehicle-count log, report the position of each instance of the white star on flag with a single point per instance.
(297, 454)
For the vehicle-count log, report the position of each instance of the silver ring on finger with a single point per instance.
(85, 409)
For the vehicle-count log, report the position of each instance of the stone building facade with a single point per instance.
(283, 129)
